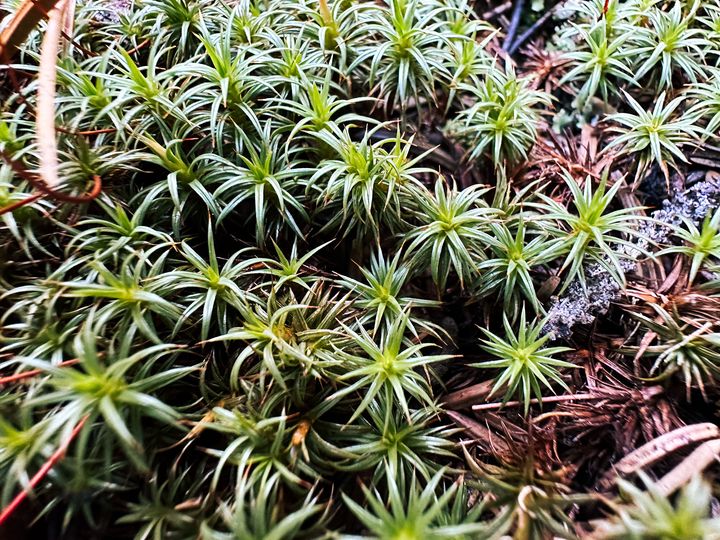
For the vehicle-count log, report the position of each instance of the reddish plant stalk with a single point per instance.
(40, 186)
(42, 473)
(22, 202)
(27, 374)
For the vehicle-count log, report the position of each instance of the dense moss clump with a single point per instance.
(332, 268)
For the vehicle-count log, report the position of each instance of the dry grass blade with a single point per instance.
(68, 21)
(45, 123)
(703, 456)
(660, 447)
(535, 401)
(496, 11)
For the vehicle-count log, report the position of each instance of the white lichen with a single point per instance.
(582, 305)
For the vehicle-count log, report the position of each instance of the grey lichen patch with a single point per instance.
(582, 305)
(115, 8)
(692, 205)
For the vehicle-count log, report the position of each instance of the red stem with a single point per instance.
(27, 374)
(136, 49)
(44, 470)
(40, 186)
(22, 202)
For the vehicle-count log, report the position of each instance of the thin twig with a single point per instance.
(45, 121)
(514, 23)
(23, 21)
(69, 131)
(96, 131)
(68, 23)
(44, 470)
(494, 12)
(535, 401)
(537, 25)
(468, 396)
(138, 47)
